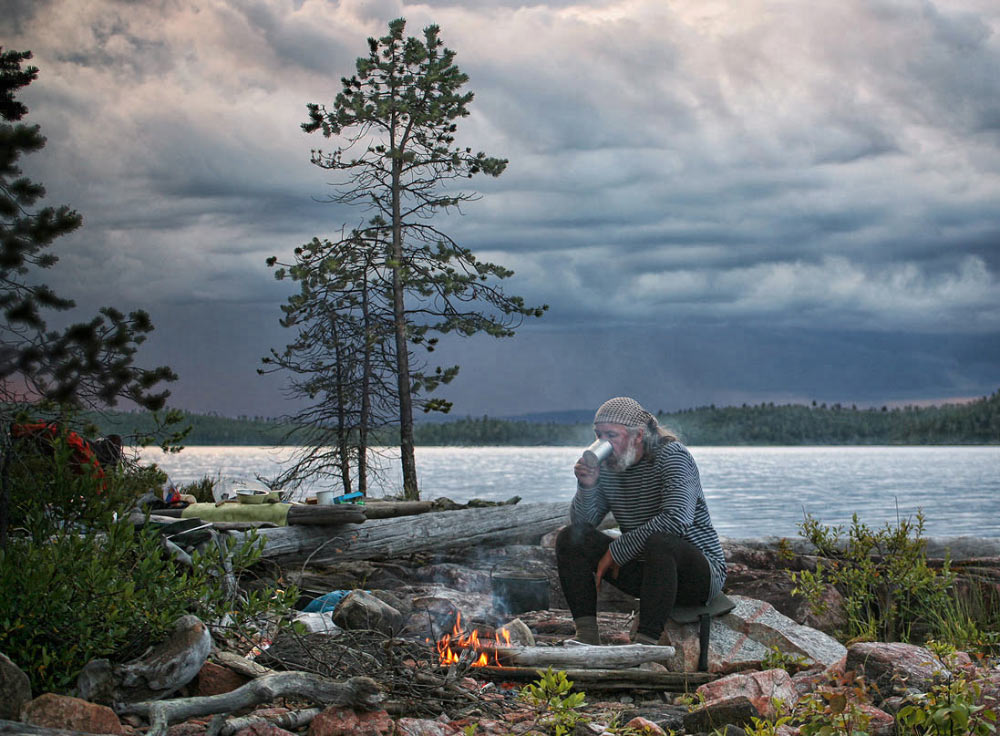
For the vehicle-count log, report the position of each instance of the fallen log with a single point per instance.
(241, 665)
(357, 692)
(581, 657)
(303, 515)
(401, 536)
(392, 509)
(627, 679)
(288, 721)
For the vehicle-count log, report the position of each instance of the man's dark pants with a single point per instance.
(672, 571)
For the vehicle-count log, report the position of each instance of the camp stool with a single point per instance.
(703, 615)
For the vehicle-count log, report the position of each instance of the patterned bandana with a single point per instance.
(623, 410)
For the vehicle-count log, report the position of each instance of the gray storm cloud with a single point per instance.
(821, 166)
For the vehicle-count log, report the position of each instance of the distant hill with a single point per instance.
(976, 422)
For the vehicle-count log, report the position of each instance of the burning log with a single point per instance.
(485, 648)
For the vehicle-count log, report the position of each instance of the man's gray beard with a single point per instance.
(627, 460)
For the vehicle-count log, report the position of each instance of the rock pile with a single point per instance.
(419, 599)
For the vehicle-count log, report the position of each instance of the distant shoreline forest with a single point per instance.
(973, 423)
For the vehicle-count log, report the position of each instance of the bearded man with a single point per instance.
(668, 553)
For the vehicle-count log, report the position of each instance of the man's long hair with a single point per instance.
(654, 436)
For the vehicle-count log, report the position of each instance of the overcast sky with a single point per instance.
(721, 201)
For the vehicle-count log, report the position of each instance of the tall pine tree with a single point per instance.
(396, 118)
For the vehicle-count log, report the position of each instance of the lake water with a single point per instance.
(751, 491)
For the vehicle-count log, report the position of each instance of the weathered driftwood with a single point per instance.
(303, 515)
(627, 679)
(401, 536)
(241, 665)
(289, 721)
(582, 657)
(357, 692)
(392, 509)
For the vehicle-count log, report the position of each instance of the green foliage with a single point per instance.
(834, 713)
(80, 582)
(953, 708)
(776, 659)
(90, 362)
(202, 490)
(890, 592)
(551, 695)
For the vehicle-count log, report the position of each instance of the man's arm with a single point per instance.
(589, 505)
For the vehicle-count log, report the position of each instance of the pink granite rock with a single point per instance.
(894, 668)
(645, 726)
(73, 714)
(339, 721)
(423, 727)
(214, 679)
(760, 688)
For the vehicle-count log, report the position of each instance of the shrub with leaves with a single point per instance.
(950, 708)
(557, 705)
(890, 592)
(79, 581)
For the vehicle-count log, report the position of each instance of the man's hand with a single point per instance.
(586, 475)
(606, 565)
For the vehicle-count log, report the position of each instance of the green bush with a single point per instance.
(890, 592)
(952, 708)
(80, 582)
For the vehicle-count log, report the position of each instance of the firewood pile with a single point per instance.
(407, 672)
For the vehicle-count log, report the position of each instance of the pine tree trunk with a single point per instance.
(406, 452)
(344, 458)
(366, 386)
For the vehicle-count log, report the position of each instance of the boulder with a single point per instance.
(214, 679)
(337, 721)
(194, 727)
(763, 689)
(895, 668)
(263, 729)
(15, 689)
(423, 727)
(766, 578)
(454, 576)
(361, 610)
(73, 714)
(640, 725)
(737, 710)
(806, 681)
(880, 723)
(745, 636)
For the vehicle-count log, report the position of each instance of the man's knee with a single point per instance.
(573, 537)
(661, 546)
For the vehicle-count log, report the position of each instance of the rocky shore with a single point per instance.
(371, 665)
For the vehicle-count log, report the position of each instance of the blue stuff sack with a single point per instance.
(326, 602)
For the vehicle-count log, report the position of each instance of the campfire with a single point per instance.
(459, 645)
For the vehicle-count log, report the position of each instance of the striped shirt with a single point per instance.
(660, 496)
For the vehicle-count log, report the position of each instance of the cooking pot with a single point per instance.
(517, 591)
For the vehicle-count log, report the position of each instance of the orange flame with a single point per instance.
(450, 646)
